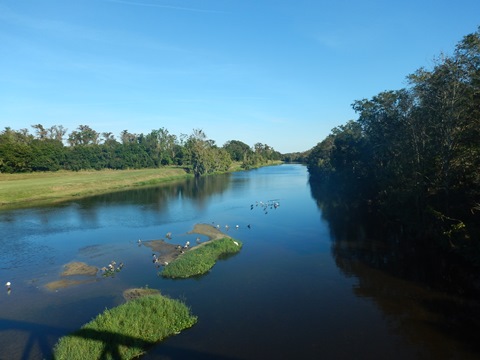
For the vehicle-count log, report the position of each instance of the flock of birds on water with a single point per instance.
(112, 267)
(269, 205)
(264, 206)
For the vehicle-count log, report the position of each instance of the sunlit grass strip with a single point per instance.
(201, 259)
(126, 331)
(24, 190)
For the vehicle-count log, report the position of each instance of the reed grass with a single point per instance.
(126, 331)
(201, 259)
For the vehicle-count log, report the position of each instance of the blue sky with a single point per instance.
(279, 72)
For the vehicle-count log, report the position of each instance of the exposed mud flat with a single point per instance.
(74, 269)
(77, 273)
(135, 293)
(79, 268)
(208, 230)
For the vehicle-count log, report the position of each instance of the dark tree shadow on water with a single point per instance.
(42, 336)
(45, 337)
(36, 335)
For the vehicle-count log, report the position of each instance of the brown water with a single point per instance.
(302, 287)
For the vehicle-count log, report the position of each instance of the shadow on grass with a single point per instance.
(112, 342)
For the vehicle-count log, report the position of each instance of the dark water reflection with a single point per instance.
(308, 284)
(425, 295)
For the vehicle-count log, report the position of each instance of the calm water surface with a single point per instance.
(297, 290)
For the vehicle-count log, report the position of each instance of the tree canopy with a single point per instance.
(414, 153)
(52, 149)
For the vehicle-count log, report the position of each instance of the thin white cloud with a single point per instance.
(60, 29)
(171, 7)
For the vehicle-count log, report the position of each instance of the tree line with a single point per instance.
(414, 154)
(52, 149)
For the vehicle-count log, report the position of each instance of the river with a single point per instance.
(301, 288)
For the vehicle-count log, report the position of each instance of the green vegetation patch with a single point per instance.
(126, 331)
(201, 259)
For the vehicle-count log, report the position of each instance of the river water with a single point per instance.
(301, 288)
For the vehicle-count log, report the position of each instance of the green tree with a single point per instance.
(203, 156)
(15, 151)
(161, 145)
(85, 135)
(238, 150)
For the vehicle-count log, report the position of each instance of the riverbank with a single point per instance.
(47, 188)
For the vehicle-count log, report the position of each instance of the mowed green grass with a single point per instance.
(30, 189)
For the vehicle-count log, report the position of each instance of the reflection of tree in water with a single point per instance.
(196, 189)
(427, 295)
(200, 189)
(362, 234)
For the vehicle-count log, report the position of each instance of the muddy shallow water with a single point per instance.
(76, 273)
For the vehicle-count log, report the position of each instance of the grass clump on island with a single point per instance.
(126, 331)
(201, 259)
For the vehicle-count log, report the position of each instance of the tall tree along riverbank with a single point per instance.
(413, 154)
(52, 149)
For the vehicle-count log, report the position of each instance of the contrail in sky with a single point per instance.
(163, 6)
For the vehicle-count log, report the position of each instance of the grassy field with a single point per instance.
(30, 189)
(201, 259)
(126, 331)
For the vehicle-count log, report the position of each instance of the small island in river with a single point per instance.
(183, 261)
(128, 330)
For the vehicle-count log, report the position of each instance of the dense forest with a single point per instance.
(413, 155)
(52, 149)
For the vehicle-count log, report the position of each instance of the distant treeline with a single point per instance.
(52, 149)
(414, 154)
